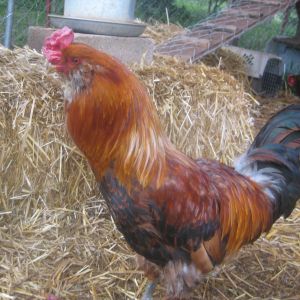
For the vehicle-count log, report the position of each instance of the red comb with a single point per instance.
(57, 41)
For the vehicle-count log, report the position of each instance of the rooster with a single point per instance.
(183, 217)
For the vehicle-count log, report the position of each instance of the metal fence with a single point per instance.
(17, 15)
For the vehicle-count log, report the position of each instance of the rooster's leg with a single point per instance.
(148, 293)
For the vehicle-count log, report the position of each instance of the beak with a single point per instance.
(60, 69)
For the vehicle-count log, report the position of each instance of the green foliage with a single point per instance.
(2, 16)
(183, 12)
(258, 37)
(2, 8)
(198, 9)
(27, 13)
(215, 5)
(156, 10)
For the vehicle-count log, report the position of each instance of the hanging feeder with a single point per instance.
(106, 17)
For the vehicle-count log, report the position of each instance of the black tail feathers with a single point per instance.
(273, 160)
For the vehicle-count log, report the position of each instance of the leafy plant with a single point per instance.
(158, 9)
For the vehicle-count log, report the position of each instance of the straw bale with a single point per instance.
(160, 32)
(229, 62)
(205, 110)
(56, 235)
(222, 58)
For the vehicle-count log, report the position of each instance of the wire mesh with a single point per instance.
(221, 28)
(26, 13)
(183, 12)
(271, 79)
(33, 13)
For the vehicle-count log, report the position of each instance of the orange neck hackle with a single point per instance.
(114, 123)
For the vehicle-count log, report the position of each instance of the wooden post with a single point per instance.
(48, 11)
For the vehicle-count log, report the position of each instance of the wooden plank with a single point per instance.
(238, 12)
(268, 2)
(205, 36)
(186, 43)
(218, 27)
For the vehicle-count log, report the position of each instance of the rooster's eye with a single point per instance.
(75, 60)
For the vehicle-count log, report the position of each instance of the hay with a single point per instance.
(222, 58)
(55, 232)
(160, 32)
(230, 63)
(205, 111)
(269, 106)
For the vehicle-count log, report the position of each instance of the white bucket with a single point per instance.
(100, 9)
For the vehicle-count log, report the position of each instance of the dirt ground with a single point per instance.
(269, 106)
